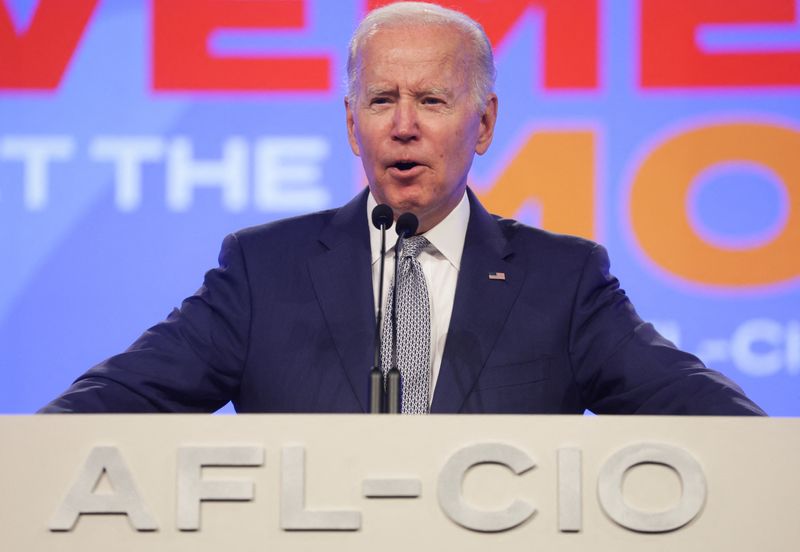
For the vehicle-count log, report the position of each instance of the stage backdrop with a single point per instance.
(134, 135)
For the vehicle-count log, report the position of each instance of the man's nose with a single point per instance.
(405, 126)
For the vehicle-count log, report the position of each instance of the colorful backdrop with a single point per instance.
(134, 135)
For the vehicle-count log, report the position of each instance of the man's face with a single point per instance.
(414, 122)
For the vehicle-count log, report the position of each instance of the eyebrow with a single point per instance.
(436, 91)
(380, 90)
(377, 90)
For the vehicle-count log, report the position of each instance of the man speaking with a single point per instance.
(485, 315)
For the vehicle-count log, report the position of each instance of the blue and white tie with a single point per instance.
(413, 328)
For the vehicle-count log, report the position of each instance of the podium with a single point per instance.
(358, 482)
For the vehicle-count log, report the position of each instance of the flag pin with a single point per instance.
(497, 276)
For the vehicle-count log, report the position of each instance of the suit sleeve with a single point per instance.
(624, 366)
(190, 362)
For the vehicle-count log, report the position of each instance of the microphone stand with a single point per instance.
(376, 374)
(382, 217)
(393, 389)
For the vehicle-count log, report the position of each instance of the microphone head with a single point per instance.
(382, 216)
(407, 224)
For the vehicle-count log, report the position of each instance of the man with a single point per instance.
(516, 319)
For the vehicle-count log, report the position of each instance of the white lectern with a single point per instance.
(398, 483)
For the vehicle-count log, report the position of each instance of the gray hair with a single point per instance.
(411, 14)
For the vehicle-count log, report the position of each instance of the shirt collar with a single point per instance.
(447, 236)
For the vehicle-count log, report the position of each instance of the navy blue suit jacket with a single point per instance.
(286, 324)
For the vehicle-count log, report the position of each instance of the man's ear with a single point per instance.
(351, 126)
(486, 130)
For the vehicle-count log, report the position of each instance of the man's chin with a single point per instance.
(403, 202)
(405, 206)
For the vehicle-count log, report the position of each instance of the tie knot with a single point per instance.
(414, 245)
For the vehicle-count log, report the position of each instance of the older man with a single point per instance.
(506, 318)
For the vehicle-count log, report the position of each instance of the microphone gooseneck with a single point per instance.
(407, 225)
(382, 218)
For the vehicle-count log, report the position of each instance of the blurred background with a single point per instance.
(134, 135)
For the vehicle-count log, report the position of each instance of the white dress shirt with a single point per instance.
(440, 262)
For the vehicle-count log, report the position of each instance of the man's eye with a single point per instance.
(432, 101)
(379, 101)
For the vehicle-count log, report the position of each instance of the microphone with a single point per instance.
(407, 225)
(382, 218)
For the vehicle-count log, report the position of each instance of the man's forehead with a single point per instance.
(427, 62)
(415, 44)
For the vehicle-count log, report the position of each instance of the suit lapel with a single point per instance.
(342, 280)
(480, 309)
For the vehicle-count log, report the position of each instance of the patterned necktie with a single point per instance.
(413, 328)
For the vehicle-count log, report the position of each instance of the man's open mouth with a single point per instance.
(405, 165)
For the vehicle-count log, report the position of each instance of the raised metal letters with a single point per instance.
(449, 489)
(192, 488)
(81, 498)
(294, 516)
(693, 483)
(570, 490)
(392, 487)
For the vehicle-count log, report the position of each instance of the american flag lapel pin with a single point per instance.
(497, 276)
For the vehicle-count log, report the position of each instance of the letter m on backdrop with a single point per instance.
(37, 57)
(571, 34)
